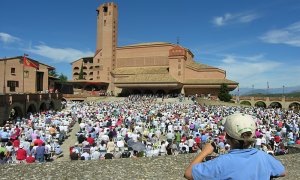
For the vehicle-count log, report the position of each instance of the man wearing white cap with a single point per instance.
(242, 161)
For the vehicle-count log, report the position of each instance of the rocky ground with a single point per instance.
(169, 167)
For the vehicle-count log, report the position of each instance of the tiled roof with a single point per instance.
(21, 58)
(209, 81)
(194, 65)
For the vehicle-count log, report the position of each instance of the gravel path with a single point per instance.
(72, 139)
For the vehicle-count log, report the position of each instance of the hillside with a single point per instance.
(277, 91)
(293, 94)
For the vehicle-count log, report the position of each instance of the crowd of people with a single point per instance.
(140, 126)
(36, 138)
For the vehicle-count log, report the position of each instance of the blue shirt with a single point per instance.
(40, 151)
(203, 138)
(4, 135)
(239, 164)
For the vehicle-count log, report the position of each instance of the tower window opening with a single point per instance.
(105, 9)
(104, 22)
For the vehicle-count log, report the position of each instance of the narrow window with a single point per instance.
(13, 71)
(105, 9)
(26, 74)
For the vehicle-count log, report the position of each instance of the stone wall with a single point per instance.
(168, 167)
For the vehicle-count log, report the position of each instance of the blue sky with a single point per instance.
(254, 41)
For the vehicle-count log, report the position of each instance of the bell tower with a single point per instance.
(106, 43)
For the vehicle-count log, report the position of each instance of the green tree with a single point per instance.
(53, 73)
(224, 93)
(80, 77)
(63, 78)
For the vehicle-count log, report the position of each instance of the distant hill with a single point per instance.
(294, 94)
(275, 91)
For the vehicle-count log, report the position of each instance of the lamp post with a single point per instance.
(283, 90)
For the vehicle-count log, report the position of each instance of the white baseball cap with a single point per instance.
(237, 124)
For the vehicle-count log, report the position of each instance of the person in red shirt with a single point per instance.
(277, 138)
(17, 131)
(198, 140)
(90, 140)
(38, 140)
(297, 141)
(21, 154)
(30, 159)
(16, 143)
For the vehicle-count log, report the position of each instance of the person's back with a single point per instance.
(240, 164)
(95, 155)
(170, 135)
(39, 153)
(21, 154)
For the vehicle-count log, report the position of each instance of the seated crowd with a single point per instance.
(141, 126)
(35, 139)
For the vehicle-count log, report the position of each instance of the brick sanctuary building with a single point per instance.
(155, 67)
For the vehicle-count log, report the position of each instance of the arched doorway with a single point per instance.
(260, 104)
(275, 105)
(246, 103)
(52, 105)
(295, 106)
(31, 109)
(43, 107)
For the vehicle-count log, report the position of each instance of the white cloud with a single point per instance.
(229, 18)
(59, 54)
(251, 70)
(247, 18)
(228, 59)
(289, 35)
(7, 38)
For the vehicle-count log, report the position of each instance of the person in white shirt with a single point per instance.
(120, 144)
(191, 143)
(85, 156)
(170, 136)
(95, 155)
(163, 148)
